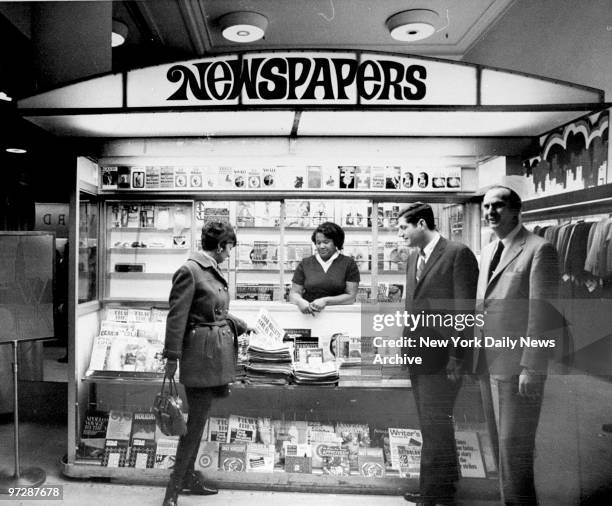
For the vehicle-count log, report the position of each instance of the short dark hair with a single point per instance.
(513, 199)
(418, 211)
(331, 231)
(217, 234)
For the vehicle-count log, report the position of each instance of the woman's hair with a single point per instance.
(331, 231)
(217, 234)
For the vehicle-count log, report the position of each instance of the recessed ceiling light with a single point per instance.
(18, 151)
(120, 33)
(243, 27)
(413, 25)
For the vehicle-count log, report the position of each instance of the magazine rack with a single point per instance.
(31, 476)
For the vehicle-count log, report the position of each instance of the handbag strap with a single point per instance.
(172, 388)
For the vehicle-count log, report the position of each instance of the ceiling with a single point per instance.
(162, 31)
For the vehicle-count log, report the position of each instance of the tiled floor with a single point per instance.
(573, 463)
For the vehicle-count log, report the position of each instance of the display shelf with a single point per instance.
(148, 250)
(153, 378)
(140, 275)
(144, 229)
(481, 488)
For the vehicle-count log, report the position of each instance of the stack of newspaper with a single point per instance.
(322, 373)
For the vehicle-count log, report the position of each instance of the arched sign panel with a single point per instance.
(311, 78)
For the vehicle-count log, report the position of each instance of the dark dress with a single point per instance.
(317, 283)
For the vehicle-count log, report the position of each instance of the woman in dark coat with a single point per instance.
(201, 334)
(327, 277)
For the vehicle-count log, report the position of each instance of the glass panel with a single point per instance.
(146, 243)
(88, 248)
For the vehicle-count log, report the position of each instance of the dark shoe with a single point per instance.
(194, 483)
(427, 500)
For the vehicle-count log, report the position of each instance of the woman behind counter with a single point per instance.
(201, 335)
(327, 277)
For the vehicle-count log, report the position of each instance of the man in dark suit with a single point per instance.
(518, 280)
(440, 280)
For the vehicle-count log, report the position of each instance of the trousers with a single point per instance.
(199, 400)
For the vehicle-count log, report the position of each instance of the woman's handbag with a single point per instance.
(167, 408)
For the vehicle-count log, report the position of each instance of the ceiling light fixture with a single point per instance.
(243, 27)
(18, 151)
(5, 97)
(413, 25)
(120, 33)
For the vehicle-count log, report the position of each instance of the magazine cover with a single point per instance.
(93, 437)
(314, 177)
(411, 441)
(109, 176)
(217, 429)
(346, 176)
(166, 178)
(260, 458)
(242, 429)
(298, 458)
(207, 458)
(362, 177)
(232, 457)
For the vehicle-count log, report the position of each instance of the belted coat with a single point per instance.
(200, 332)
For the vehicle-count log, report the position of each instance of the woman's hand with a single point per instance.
(318, 304)
(170, 368)
(304, 307)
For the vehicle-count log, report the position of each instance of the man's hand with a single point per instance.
(304, 307)
(529, 383)
(454, 369)
(170, 368)
(318, 304)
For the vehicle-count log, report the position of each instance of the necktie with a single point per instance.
(496, 258)
(420, 265)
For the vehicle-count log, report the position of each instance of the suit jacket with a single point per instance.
(517, 302)
(447, 287)
(199, 330)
